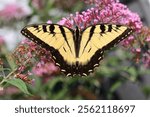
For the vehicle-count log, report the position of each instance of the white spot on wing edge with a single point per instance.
(57, 64)
(84, 74)
(69, 74)
(63, 70)
(90, 70)
(96, 65)
(54, 57)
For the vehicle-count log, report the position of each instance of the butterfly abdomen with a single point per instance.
(77, 40)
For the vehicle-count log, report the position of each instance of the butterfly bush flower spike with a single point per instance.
(30, 50)
(45, 69)
(112, 12)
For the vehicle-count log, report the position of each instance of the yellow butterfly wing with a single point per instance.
(95, 40)
(58, 40)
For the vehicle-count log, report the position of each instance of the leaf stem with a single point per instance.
(8, 76)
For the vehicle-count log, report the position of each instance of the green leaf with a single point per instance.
(19, 84)
(115, 86)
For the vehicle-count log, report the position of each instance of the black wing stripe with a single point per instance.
(90, 36)
(64, 35)
(102, 28)
(52, 28)
(109, 28)
(44, 28)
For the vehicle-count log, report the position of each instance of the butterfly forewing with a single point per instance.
(99, 36)
(55, 38)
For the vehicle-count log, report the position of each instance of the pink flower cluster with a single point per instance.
(146, 59)
(28, 53)
(105, 11)
(100, 2)
(45, 69)
(142, 47)
(11, 12)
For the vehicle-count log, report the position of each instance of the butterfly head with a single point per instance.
(77, 32)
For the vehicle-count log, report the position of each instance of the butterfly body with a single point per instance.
(76, 52)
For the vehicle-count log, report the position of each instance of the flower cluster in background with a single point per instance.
(100, 3)
(114, 13)
(28, 54)
(141, 47)
(12, 12)
(45, 69)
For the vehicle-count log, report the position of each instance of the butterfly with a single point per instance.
(76, 52)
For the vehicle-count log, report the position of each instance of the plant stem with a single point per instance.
(8, 76)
